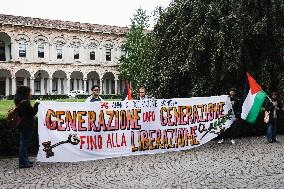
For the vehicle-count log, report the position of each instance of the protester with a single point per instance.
(232, 131)
(273, 108)
(142, 94)
(95, 95)
(27, 114)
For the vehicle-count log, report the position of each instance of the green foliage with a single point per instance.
(136, 49)
(107, 97)
(6, 105)
(203, 48)
(9, 140)
(42, 97)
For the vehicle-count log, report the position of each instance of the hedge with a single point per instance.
(105, 96)
(43, 97)
(9, 140)
(54, 97)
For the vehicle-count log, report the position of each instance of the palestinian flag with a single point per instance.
(253, 102)
(127, 91)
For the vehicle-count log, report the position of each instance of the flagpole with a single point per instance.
(269, 98)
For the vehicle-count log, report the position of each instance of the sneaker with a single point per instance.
(233, 141)
(221, 141)
(30, 162)
(25, 166)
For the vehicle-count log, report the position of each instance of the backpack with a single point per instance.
(13, 119)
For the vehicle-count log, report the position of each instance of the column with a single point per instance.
(101, 86)
(25, 82)
(13, 51)
(75, 84)
(7, 86)
(32, 85)
(64, 83)
(47, 86)
(67, 86)
(109, 86)
(85, 85)
(115, 86)
(13, 85)
(42, 92)
(90, 85)
(50, 85)
(51, 54)
(31, 53)
(99, 55)
(104, 86)
(80, 84)
(59, 86)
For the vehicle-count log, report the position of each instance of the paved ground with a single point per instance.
(250, 163)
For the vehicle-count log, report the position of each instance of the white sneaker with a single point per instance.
(221, 141)
(233, 141)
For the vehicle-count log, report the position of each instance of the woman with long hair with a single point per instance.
(27, 114)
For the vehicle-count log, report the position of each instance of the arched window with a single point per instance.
(2, 51)
(75, 44)
(40, 51)
(59, 43)
(122, 52)
(76, 53)
(59, 52)
(108, 54)
(40, 42)
(92, 46)
(23, 41)
(108, 45)
(22, 50)
(92, 54)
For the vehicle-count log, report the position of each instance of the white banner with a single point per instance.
(79, 131)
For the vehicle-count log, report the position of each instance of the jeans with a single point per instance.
(25, 137)
(271, 130)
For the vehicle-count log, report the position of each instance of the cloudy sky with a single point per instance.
(106, 12)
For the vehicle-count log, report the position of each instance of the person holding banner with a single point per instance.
(142, 94)
(236, 105)
(273, 107)
(96, 94)
(27, 120)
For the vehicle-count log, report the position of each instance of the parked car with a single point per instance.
(74, 93)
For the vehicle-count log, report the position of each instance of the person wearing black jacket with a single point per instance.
(232, 131)
(274, 107)
(27, 114)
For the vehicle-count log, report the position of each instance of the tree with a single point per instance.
(203, 48)
(135, 45)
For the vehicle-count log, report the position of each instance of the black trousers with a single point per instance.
(232, 132)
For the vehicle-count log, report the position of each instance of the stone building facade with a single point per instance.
(56, 57)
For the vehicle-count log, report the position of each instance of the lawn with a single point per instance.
(6, 105)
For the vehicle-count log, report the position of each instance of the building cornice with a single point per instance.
(60, 25)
